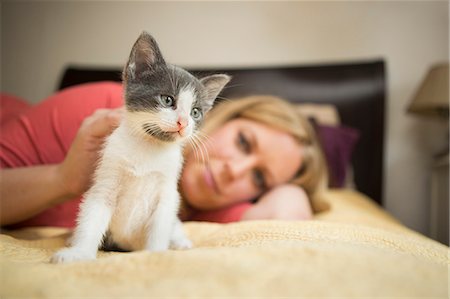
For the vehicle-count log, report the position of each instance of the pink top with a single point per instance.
(42, 134)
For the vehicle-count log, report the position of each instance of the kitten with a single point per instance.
(134, 201)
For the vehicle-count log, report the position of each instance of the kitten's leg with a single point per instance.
(163, 220)
(94, 217)
(179, 240)
(93, 222)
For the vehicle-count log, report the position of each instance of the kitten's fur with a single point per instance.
(134, 199)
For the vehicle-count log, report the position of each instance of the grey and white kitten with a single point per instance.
(134, 201)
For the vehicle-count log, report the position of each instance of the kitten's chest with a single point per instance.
(145, 173)
(140, 158)
(138, 197)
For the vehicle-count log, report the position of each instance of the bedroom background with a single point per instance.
(39, 39)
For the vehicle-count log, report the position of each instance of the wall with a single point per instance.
(40, 38)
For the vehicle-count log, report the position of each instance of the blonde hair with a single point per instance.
(281, 115)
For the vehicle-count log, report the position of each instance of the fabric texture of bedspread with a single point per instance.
(353, 250)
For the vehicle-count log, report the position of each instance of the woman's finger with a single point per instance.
(103, 122)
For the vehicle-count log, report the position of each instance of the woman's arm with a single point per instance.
(286, 202)
(27, 191)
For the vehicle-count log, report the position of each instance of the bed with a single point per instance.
(352, 249)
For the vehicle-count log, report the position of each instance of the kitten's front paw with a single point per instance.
(68, 255)
(180, 243)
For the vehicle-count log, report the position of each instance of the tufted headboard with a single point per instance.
(357, 89)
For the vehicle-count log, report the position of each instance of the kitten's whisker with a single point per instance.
(202, 147)
(194, 149)
(150, 131)
(221, 99)
(206, 139)
(150, 128)
(232, 86)
(199, 150)
(165, 122)
(206, 153)
(136, 129)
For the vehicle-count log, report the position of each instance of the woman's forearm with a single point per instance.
(28, 191)
(285, 202)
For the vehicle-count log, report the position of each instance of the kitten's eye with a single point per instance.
(167, 101)
(196, 114)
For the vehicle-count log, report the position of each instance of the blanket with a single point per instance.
(353, 250)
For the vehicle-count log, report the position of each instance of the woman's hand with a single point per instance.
(27, 191)
(77, 169)
(284, 202)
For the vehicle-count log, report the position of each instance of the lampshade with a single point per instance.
(431, 98)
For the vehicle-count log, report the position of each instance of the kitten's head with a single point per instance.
(163, 101)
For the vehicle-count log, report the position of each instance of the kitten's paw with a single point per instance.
(180, 243)
(157, 247)
(68, 255)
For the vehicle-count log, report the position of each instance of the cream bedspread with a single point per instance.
(353, 250)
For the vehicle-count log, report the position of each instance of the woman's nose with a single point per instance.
(237, 168)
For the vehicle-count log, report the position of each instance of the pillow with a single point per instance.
(338, 144)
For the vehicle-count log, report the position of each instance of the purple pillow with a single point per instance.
(338, 144)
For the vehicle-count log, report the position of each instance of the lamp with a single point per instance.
(431, 99)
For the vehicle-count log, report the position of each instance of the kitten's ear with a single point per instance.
(213, 85)
(145, 56)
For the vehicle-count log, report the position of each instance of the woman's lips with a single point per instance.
(209, 179)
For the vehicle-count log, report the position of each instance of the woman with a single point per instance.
(288, 153)
(256, 146)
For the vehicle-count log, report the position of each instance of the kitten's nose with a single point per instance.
(181, 124)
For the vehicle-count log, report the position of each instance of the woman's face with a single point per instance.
(245, 158)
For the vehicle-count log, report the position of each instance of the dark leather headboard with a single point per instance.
(357, 89)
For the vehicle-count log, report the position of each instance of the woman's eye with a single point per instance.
(196, 114)
(259, 180)
(243, 143)
(167, 101)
